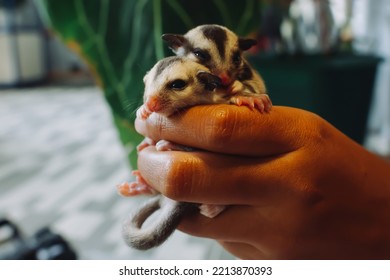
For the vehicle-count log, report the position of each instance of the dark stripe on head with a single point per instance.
(218, 36)
(245, 73)
(164, 63)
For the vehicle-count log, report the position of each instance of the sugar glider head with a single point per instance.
(177, 82)
(214, 46)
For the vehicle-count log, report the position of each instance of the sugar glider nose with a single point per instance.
(225, 78)
(152, 104)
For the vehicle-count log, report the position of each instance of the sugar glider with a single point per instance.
(221, 51)
(173, 84)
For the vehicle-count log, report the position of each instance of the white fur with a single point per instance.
(196, 38)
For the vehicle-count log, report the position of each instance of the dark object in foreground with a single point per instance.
(43, 245)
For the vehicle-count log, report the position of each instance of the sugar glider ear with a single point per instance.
(175, 41)
(209, 80)
(246, 44)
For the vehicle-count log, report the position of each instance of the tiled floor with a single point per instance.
(60, 159)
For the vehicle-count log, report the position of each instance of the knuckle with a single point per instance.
(319, 130)
(220, 127)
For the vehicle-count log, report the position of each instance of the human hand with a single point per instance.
(296, 187)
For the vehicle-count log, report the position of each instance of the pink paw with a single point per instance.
(140, 186)
(262, 102)
(143, 112)
(145, 143)
(164, 145)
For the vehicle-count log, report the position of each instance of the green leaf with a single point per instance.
(121, 41)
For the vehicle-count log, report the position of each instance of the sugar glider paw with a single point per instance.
(132, 189)
(210, 210)
(145, 143)
(143, 112)
(261, 102)
(138, 187)
(164, 145)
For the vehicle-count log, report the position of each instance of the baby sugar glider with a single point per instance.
(220, 50)
(173, 84)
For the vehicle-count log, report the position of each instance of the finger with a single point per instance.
(233, 129)
(242, 224)
(211, 178)
(274, 230)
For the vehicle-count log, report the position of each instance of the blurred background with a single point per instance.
(71, 79)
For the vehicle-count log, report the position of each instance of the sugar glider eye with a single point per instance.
(177, 84)
(236, 58)
(202, 55)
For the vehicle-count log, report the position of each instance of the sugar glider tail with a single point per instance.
(144, 237)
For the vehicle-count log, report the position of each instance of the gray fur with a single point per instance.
(170, 214)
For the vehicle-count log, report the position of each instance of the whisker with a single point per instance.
(131, 107)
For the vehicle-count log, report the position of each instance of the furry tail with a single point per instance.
(154, 234)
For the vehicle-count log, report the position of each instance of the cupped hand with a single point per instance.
(297, 188)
